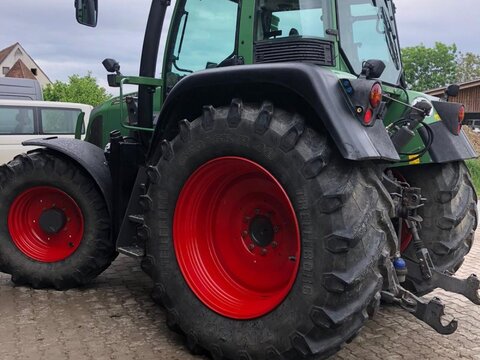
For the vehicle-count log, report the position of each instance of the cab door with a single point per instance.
(203, 35)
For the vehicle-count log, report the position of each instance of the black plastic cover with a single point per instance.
(448, 112)
(88, 156)
(446, 146)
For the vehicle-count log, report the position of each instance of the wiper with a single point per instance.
(391, 37)
(182, 36)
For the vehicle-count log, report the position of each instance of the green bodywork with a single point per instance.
(115, 117)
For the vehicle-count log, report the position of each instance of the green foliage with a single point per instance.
(84, 90)
(474, 166)
(468, 67)
(429, 68)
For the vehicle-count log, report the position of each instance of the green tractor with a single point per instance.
(289, 183)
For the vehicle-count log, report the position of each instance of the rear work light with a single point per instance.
(375, 96)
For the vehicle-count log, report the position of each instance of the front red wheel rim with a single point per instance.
(28, 232)
(236, 238)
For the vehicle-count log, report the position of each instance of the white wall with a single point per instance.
(12, 58)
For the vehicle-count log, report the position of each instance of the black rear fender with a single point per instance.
(308, 89)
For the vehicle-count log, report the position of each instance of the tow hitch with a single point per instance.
(430, 312)
(408, 200)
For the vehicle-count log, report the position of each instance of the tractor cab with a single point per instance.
(341, 35)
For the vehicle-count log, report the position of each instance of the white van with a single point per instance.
(20, 89)
(22, 120)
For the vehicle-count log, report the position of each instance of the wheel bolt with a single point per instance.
(264, 252)
(276, 229)
(292, 258)
(274, 244)
(251, 247)
(246, 219)
(244, 234)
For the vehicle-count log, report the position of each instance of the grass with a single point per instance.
(474, 166)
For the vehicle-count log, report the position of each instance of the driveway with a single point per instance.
(114, 318)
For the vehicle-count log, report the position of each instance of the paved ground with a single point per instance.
(115, 318)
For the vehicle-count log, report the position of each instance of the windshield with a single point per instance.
(283, 19)
(367, 31)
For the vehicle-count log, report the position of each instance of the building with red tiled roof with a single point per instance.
(15, 62)
(20, 70)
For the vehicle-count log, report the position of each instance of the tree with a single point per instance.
(468, 67)
(430, 68)
(84, 90)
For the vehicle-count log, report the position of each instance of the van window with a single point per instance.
(59, 121)
(16, 121)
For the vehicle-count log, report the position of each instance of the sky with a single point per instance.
(48, 31)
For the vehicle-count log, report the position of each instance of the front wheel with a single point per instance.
(264, 242)
(55, 227)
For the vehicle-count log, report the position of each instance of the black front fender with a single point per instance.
(90, 157)
(316, 86)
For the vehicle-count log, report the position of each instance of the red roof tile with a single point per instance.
(20, 70)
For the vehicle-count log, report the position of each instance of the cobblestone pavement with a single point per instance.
(114, 318)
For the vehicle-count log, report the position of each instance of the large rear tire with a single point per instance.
(55, 226)
(449, 214)
(299, 287)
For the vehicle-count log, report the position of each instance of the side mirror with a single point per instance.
(452, 90)
(87, 12)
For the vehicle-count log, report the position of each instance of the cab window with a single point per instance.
(206, 32)
(295, 18)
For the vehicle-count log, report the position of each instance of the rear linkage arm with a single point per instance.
(429, 312)
(408, 200)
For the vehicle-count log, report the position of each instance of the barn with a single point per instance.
(469, 96)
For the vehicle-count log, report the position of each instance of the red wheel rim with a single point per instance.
(236, 238)
(30, 238)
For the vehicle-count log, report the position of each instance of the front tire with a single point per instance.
(55, 226)
(245, 162)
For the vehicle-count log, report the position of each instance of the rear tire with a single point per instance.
(78, 249)
(450, 215)
(345, 234)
